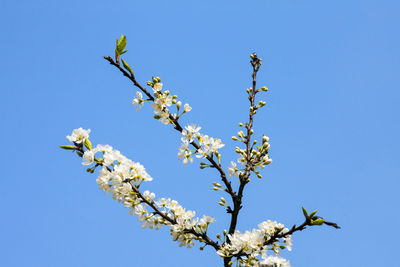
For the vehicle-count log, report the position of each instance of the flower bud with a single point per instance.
(179, 104)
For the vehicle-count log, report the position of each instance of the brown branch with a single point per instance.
(178, 127)
(244, 179)
(165, 216)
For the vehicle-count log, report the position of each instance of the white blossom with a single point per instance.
(190, 132)
(138, 100)
(233, 170)
(274, 261)
(187, 108)
(88, 156)
(157, 86)
(78, 135)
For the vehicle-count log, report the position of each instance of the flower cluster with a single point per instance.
(121, 177)
(248, 246)
(79, 135)
(162, 100)
(208, 146)
(274, 261)
(259, 157)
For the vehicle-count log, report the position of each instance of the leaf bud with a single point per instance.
(217, 184)
(305, 213)
(88, 144)
(318, 221)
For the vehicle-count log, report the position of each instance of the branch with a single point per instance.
(178, 127)
(151, 203)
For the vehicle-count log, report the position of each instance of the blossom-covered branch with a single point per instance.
(167, 118)
(122, 178)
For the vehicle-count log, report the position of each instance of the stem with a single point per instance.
(177, 127)
(244, 179)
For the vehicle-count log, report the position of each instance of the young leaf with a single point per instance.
(305, 213)
(69, 147)
(313, 213)
(126, 66)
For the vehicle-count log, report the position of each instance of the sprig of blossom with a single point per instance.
(78, 135)
(251, 244)
(121, 177)
(274, 261)
(207, 146)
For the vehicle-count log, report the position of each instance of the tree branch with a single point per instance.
(178, 127)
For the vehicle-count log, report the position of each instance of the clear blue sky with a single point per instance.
(332, 115)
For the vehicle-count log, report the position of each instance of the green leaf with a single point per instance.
(88, 144)
(126, 66)
(121, 44)
(318, 222)
(69, 147)
(305, 213)
(80, 154)
(313, 213)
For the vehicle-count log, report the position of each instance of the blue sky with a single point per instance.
(332, 115)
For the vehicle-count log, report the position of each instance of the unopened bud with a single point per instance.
(179, 104)
(234, 138)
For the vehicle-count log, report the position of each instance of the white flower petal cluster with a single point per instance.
(78, 135)
(138, 100)
(207, 145)
(233, 170)
(118, 177)
(274, 261)
(253, 244)
(162, 100)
